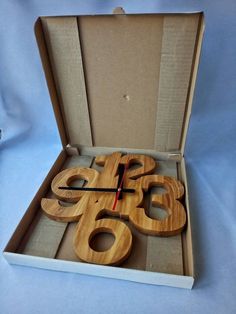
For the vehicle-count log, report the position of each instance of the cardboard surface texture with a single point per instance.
(135, 68)
(117, 82)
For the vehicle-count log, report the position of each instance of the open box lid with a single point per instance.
(122, 80)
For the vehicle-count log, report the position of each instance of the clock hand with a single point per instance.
(121, 169)
(75, 188)
(120, 189)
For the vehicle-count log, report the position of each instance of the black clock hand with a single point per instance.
(75, 188)
(121, 169)
(119, 189)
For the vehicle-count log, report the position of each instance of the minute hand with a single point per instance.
(75, 188)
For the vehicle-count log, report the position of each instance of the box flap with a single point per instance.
(122, 80)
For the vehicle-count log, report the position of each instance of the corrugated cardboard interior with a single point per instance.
(37, 235)
(121, 80)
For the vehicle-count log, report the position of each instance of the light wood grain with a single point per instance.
(44, 235)
(91, 206)
(164, 254)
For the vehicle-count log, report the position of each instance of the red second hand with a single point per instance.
(119, 188)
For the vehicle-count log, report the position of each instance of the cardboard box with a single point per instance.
(117, 83)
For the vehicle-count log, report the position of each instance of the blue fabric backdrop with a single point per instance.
(30, 143)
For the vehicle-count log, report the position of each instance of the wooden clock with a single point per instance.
(118, 190)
